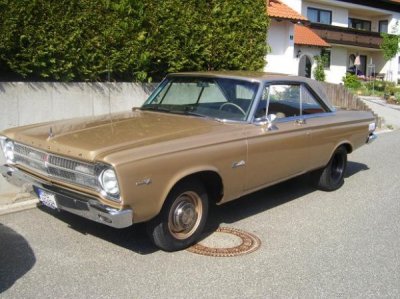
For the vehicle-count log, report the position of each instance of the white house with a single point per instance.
(281, 58)
(348, 31)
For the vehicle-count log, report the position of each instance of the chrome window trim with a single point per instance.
(294, 118)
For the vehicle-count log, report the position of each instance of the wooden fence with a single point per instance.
(342, 98)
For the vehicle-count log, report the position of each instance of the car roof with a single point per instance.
(263, 77)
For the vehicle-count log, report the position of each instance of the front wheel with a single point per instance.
(331, 177)
(182, 218)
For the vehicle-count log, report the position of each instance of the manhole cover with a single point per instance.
(226, 241)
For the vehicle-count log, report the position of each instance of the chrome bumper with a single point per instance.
(82, 205)
(371, 138)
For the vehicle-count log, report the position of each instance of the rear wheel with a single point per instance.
(182, 218)
(331, 177)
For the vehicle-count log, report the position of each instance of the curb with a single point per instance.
(383, 131)
(19, 206)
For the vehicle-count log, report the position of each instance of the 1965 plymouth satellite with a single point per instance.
(199, 139)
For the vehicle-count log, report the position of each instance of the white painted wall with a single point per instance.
(281, 59)
(294, 4)
(338, 66)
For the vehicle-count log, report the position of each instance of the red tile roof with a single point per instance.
(278, 10)
(306, 37)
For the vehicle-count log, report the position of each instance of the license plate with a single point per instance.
(48, 199)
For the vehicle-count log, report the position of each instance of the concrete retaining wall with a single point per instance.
(24, 103)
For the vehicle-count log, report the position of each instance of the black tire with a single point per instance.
(182, 218)
(331, 177)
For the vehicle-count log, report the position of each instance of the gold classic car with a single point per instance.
(200, 139)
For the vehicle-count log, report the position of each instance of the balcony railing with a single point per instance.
(347, 36)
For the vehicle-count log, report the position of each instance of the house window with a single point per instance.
(360, 24)
(383, 26)
(352, 68)
(317, 15)
(327, 54)
(399, 65)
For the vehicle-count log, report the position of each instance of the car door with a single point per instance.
(279, 150)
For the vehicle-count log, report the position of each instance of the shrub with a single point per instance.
(384, 86)
(351, 81)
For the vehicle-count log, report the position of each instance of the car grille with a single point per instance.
(55, 166)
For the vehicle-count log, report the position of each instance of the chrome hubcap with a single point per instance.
(185, 215)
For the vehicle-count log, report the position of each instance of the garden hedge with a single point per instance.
(128, 40)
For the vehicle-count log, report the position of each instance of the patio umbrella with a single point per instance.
(357, 62)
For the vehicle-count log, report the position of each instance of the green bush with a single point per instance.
(351, 81)
(128, 40)
(397, 97)
(383, 86)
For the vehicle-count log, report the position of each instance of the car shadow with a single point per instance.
(268, 198)
(135, 238)
(258, 202)
(354, 168)
(16, 257)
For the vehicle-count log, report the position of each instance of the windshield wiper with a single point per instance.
(188, 112)
(184, 112)
(156, 108)
(193, 113)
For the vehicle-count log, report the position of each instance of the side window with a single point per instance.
(287, 100)
(284, 100)
(309, 104)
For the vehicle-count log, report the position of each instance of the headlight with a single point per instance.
(8, 149)
(109, 183)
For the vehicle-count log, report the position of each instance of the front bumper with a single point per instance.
(73, 202)
(371, 138)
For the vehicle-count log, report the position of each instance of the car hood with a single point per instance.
(86, 138)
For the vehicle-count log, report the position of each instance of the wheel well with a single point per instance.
(348, 147)
(212, 182)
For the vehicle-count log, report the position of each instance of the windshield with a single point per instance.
(220, 98)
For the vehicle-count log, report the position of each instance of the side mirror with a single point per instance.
(267, 121)
(271, 118)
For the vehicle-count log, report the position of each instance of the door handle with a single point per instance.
(301, 121)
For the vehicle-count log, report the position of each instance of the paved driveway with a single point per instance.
(314, 244)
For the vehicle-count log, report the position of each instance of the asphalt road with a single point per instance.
(314, 244)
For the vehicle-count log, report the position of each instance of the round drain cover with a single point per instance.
(227, 241)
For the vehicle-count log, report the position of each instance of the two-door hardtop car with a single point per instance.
(200, 139)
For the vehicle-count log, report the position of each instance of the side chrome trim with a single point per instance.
(75, 203)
